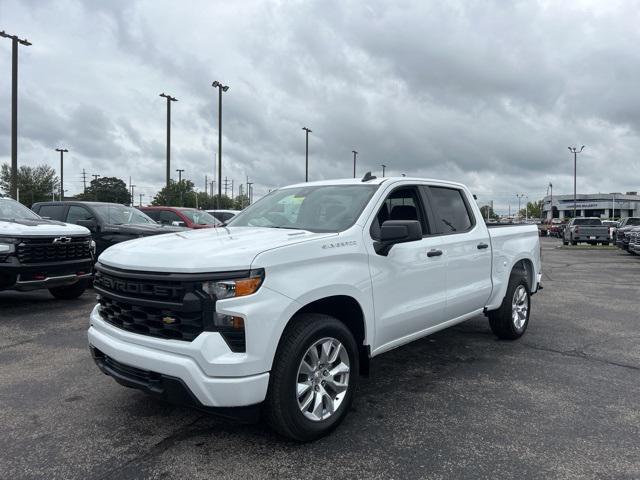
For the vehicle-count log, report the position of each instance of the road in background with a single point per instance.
(562, 402)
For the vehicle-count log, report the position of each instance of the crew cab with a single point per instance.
(181, 217)
(109, 223)
(285, 307)
(585, 229)
(42, 254)
(624, 227)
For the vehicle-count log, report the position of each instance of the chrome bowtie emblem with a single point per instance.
(62, 240)
(168, 320)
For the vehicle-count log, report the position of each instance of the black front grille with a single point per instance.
(154, 321)
(53, 249)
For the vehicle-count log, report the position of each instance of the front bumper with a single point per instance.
(26, 277)
(209, 391)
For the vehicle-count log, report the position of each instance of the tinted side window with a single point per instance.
(154, 214)
(167, 216)
(54, 212)
(76, 213)
(227, 216)
(452, 214)
(401, 204)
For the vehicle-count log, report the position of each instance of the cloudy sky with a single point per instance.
(487, 93)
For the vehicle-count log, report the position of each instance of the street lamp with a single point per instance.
(575, 152)
(383, 169)
(180, 170)
(169, 100)
(519, 195)
(221, 88)
(306, 154)
(62, 152)
(354, 162)
(14, 109)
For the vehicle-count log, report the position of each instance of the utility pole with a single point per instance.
(226, 185)
(575, 152)
(551, 189)
(133, 195)
(141, 195)
(221, 88)
(169, 100)
(306, 154)
(383, 169)
(231, 189)
(62, 152)
(250, 192)
(95, 177)
(84, 180)
(180, 170)
(14, 109)
(205, 185)
(354, 162)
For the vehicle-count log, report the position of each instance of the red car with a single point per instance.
(179, 216)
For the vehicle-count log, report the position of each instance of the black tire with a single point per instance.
(573, 243)
(501, 320)
(69, 292)
(564, 242)
(282, 410)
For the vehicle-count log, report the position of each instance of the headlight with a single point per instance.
(239, 287)
(8, 245)
(92, 245)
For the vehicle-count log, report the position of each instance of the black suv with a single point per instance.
(109, 223)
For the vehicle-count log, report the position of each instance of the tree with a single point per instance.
(492, 214)
(240, 202)
(533, 210)
(177, 194)
(106, 189)
(35, 184)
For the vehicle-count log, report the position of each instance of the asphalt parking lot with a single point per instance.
(562, 402)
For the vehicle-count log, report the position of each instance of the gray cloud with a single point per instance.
(488, 93)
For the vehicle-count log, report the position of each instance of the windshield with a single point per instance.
(200, 217)
(587, 221)
(325, 208)
(121, 215)
(633, 221)
(11, 210)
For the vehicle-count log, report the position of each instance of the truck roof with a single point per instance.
(374, 181)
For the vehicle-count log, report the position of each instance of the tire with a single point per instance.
(502, 322)
(283, 410)
(573, 243)
(564, 242)
(69, 292)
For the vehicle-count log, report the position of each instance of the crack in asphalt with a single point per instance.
(579, 353)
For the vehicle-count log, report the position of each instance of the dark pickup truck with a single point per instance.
(624, 227)
(583, 229)
(36, 253)
(109, 223)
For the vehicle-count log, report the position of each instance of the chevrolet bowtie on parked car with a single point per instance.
(109, 223)
(625, 225)
(589, 230)
(286, 306)
(37, 253)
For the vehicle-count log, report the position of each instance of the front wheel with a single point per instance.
(313, 378)
(511, 320)
(69, 292)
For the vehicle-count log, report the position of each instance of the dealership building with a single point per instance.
(602, 205)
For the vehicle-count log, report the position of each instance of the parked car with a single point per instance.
(634, 240)
(556, 228)
(626, 224)
(109, 223)
(181, 217)
(224, 215)
(585, 229)
(36, 253)
(287, 305)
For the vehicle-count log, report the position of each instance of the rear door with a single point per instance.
(467, 250)
(409, 284)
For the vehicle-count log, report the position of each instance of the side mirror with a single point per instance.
(397, 231)
(91, 224)
(176, 223)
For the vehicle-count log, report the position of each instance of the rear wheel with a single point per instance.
(510, 321)
(69, 292)
(313, 378)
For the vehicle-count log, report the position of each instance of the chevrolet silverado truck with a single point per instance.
(285, 307)
(36, 253)
(585, 229)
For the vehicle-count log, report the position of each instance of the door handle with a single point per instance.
(434, 253)
(482, 246)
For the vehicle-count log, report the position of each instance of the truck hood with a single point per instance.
(204, 250)
(22, 227)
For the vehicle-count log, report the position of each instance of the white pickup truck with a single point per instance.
(284, 308)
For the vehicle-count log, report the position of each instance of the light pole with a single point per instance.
(306, 154)
(250, 192)
(141, 195)
(551, 207)
(519, 195)
(180, 170)
(169, 100)
(133, 200)
(575, 152)
(14, 109)
(383, 169)
(62, 152)
(221, 88)
(354, 162)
